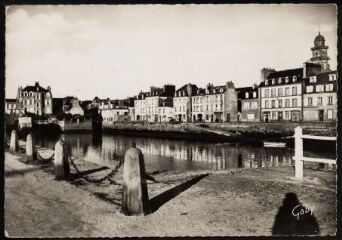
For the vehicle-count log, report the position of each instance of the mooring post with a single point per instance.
(299, 164)
(31, 153)
(135, 194)
(14, 144)
(62, 168)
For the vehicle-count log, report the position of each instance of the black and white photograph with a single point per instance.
(170, 120)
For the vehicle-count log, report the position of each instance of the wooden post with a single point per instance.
(135, 194)
(14, 144)
(31, 152)
(299, 164)
(62, 168)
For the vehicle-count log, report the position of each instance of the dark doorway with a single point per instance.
(320, 115)
(280, 116)
(228, 117)
(266, 116)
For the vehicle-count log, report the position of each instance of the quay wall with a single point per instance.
(250, 133)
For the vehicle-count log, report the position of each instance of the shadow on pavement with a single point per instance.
(294, 219)
(74, 176)
(161, 199)
(11, 173)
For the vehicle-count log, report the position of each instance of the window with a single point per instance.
(332, 77)
(266, 82)
(254, 94)
(294, 79)
(310, 101)
(286, 91)
(309, 89)
(294, 90)
(279, 80)
(287, 115)
(274, 115)
(273, 92)
(329, 87)
(273, 81)
(294, 102)
(247, 95)
(267, 104)
(313, 79)
(266, 92)
(330, 100)
(280, 103)
(286, 79)
(319, 101)
(250, 116)
(221, 90)
(254, 105)
(280, 92)
(319, 88)
(330, 113)
(273, 103)
(287, 103)
(246, 105)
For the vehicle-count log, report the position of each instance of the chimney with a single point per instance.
(189, 89)
(230, 84)
(265, 72)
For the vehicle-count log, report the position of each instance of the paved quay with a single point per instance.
(239, 202)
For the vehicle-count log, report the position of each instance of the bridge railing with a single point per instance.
(299, 153)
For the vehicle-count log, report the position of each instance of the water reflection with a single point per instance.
(161, 154)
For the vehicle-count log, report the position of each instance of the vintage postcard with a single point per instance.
(159, 120)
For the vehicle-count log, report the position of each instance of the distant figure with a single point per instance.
(294, 219)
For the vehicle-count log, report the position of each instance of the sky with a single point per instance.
(116, 51)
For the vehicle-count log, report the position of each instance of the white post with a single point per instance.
(299, 153)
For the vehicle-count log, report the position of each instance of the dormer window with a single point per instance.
(273, 81)
(247, 95)
(286, 79)
(221, 90)
(313, 79)
(207, 91)
(332, 77)
(294, 79)
(254, 94)
(266, 82)
(214, 91)
(198, 91)
(279, 80)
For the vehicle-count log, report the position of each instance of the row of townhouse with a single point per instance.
(291, 96)
(308, 93)
(187, 104)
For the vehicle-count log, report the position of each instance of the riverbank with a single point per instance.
(249, 133)
(237, 202)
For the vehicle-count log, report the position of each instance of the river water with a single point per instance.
(161, 154)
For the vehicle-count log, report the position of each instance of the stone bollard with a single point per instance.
(135, 194)
(299, 164)
(31, 153)
(62, 168)
(14, 144)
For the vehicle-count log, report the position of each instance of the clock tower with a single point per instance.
(320, 53)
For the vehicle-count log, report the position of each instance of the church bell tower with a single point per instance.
(320, 53)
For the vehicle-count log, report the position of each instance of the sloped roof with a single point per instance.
(322, 78)
(242, 92)
(290, 73)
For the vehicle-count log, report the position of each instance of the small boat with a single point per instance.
(274, 144)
